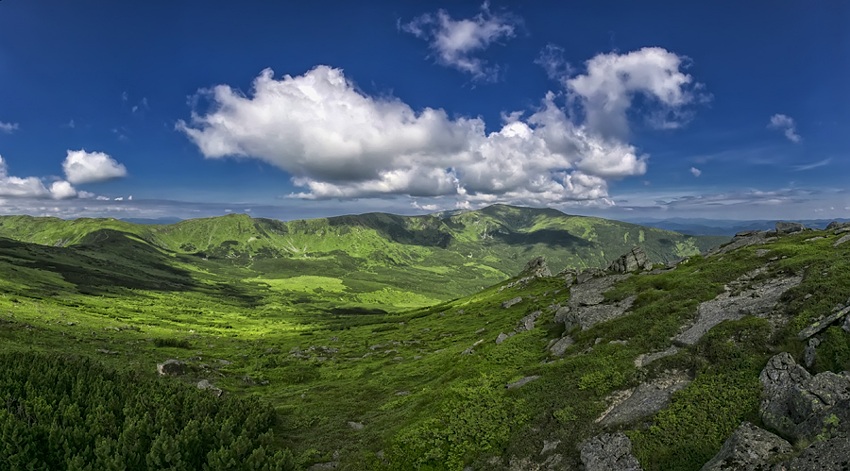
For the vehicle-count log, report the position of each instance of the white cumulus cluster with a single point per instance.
(79, 166)
(337, 142)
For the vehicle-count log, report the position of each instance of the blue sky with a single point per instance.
(615, 109)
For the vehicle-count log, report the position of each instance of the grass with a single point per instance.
(370, 343)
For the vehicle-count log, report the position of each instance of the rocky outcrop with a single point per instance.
(535, 268)
(586, 306)
(527, 322)
(171, 367)
(647, 358)
(748, 449)
(821, 325)
(740, 299)
(786, 227)
(559, 346)
(842, 240)
(633, 261)
(608, 452)
(798, 405)
(802, 408)
(743, 239)
(642, 401)
(836, 225)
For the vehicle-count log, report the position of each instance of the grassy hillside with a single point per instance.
(422, 388)
(370, 259)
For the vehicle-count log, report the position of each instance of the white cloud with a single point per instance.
(456, 41)
(785, 124)
(696, 172)
(32, 187)
(89, 167)
(612, 80)
(62, 190)
(337, 142)
(8, 128)
(551, 58)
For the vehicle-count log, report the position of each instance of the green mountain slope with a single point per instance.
(426, 388)
(378, 258)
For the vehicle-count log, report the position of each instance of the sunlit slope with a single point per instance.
(382, 257)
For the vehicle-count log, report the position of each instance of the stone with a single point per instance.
(742, 239)
(527, 322)
(647, 358)
(521, 382)
(756, 300)
(586, 306)
(205, 385)
(608, 452)
(511, 302)
(785, 227)
(502, 337)
(834, 225)
(588, 274)
(536, 267)
(559, 347)
(810, 352)
(356, 425)
(549, 445)
(842, 240)
(821, 325)
(798, 405)
(830, 454)
(749, 448)
(171, 367)
(642, 401)
(846, 325)
(633, 261)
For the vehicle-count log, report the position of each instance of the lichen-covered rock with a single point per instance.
(608, 452)
(644, 400)
(739, 300)
(798, 405)
(821, 325)
(633, 261)
(750, 448)
(560, 346)
(785, 227)
(832, 453)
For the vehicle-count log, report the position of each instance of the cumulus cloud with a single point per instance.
(32, 187)
(89, 167)
(696, 172)
(612, 80)
(8, 128)
(785, 124)
(337, 142)
(455, 42)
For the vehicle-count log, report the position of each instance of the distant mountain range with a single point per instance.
(723, 227)
(422, 259)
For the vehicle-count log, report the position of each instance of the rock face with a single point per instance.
(758, 299)
(785, 227)
(748, 449)
(798, 405)
(560, 346)
(609, 452)
(171, 367)
(829, 454)
(633, 261)
(642, 401)
(835, 225)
